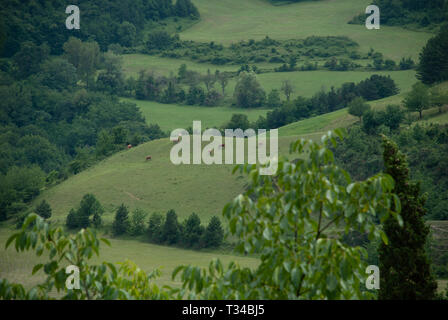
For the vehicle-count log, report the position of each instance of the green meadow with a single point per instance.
(17, 267)
(172, 116)
(227, 21)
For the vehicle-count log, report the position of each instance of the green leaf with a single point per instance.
(37, 267)
(267, 234)
(384, 237)
(106, 241)
(11, 239)
(332, 282)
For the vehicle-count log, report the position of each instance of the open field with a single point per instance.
(133, 63)
(227, 21)
(17, 267)
(172, 116)
(307, 83)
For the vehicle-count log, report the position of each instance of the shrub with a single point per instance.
(248, 91)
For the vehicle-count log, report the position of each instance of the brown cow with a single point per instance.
(129, 146)
(148, 158)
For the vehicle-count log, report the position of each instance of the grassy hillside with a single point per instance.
(155, 186)
(227, 21)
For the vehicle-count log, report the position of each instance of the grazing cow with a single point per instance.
(148, 158)
(129, 146)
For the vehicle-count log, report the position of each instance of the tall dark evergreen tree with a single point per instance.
(121, 222)
(155, 228)
(44, 209)
(404, 266)
(214, 233)
(170, 233)
(192, 231)
(433, 65)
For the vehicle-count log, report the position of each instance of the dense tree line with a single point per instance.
(168, 230)
(105, 21)
(187, 88)
(57, 117)
(419, 13)
(373, 88)
(162, 43)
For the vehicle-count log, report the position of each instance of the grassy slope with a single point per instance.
(155, 186)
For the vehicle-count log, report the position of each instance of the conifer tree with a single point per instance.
(405, 270)
(44, 209)
(192, 231)
(155, 228)
(170, 233)
(121, 222)
(214, 233)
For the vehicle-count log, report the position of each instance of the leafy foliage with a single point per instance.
(290, 221)
(102, 281)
